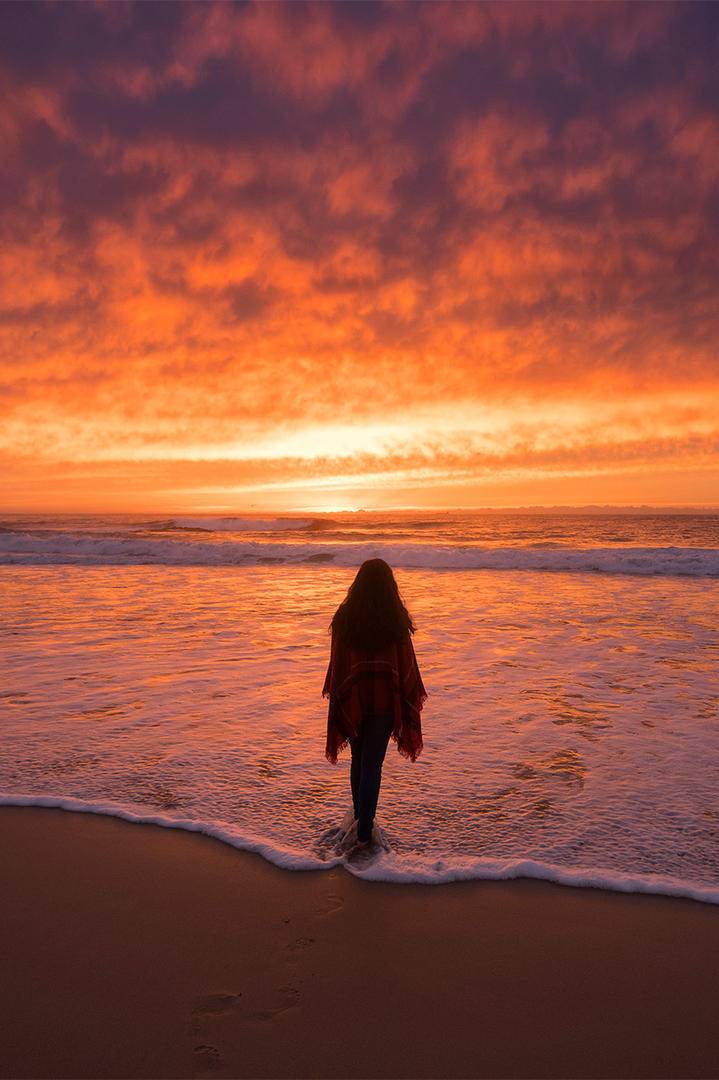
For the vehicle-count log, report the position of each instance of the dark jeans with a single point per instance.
(368, 751)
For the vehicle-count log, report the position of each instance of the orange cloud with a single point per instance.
(265, 228)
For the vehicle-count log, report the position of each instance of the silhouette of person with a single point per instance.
(374, 686)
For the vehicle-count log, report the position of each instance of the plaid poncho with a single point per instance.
(386, 681)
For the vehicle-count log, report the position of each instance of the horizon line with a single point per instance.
(255, 511)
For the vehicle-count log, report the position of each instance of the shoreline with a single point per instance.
(144, 951)
(496, 869)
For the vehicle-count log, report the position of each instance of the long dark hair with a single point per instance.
(373, 614)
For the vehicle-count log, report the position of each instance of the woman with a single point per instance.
(374, 685)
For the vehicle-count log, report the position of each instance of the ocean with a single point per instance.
(169, 669)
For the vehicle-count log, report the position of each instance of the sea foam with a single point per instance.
(81, 549)
(389, 866)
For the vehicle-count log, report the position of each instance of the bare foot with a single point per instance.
(349, 838)
(362, 853)
(348, 841)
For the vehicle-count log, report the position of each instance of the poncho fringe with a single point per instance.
(389, 679)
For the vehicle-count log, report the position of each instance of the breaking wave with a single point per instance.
(66, 548)
(240, 524)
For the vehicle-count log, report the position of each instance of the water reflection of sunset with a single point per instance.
(549, 707)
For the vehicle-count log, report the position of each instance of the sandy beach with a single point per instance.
(139, 951)
(358, 460)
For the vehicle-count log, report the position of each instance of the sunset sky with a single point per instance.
(352, 255)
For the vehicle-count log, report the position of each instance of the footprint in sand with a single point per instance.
(216, 1005)
(206, 1058)
(267, 1005)
(331, 902)
(285, 997)
(300, 943)
(221, 1006)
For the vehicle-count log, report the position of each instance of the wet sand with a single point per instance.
(136, 951)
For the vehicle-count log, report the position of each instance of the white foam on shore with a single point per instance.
(391, 867)
(273, 853)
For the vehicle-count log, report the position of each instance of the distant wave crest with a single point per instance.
(240, 524)
(65, 548)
